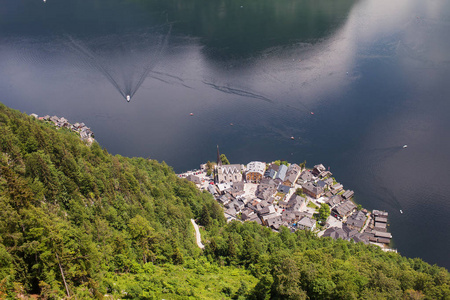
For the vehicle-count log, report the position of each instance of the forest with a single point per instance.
(79, 223)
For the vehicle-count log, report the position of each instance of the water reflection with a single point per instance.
(373, 72)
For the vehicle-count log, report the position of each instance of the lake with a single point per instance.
(374, 73)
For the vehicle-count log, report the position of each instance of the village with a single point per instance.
(85, 132)
(281, 194)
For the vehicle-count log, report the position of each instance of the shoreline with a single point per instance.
(281, 194)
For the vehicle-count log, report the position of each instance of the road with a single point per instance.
(198, 237)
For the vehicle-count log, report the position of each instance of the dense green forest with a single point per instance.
(77, 222)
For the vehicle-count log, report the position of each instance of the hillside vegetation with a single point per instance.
(77, 222)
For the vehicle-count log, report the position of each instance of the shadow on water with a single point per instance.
(124, 60)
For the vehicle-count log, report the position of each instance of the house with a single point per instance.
(305, 176)
(334, 200)
(296, 203)
(318, 169)
(224, 199)
(212, 189)
(325, 174)
(282, 204)
(344, 209)
(284, 189)
(292, 174)
(274, 167)
(270, 173)
(356, 220)
(281, 174)
(223, 187)
(270, 209)
(266, 189)
(329, 182)
(335, 233)
(348, 194)
(255, 218)
(35, 116)
(306, 223)
(229, 173)
(276, 222)
(336, 187)
(246, 214)
(231, 211)
(255, 171)
(237, 189)
(321, 183)
(194, 179)
(312, 190)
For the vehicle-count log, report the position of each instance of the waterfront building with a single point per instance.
(229, 173)
(312, 190)
(255, 171)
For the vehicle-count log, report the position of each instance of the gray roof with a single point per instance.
(284, 188)
(238, 186)
(321, 183)
(309, 187)
(274, 167)
(270, 173)
(381, 219)
(193, 179)
(348, 194)
(336, 233)
(306, 175)
(307, 222)
(345, 208)
(281, 174)
(357, 219)
(380, 213)
(335, 200)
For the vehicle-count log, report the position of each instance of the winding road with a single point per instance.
(198, 237)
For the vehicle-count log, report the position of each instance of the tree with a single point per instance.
(303, 165)
(205, 217)
(224, 159)
(324, 212)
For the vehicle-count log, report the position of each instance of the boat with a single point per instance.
(401, 211)
(292, 138)
(405, 146)
(191, 114)
(128, 98)
(312, 113)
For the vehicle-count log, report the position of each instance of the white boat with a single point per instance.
(405, 146)
(401, 211)
(128, 98)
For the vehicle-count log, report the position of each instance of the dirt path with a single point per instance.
(197, 235)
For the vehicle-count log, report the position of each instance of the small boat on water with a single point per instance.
(401, 211)
(191, 114)
(312, 113)
(405, 146)
(292, 138)
(128, 98)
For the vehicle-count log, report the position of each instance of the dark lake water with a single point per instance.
(374, 72)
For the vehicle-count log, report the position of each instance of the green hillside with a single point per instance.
(77, 221)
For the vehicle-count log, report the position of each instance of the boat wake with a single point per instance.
(125, 60)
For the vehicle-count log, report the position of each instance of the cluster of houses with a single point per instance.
(276, 195)
(85, 132)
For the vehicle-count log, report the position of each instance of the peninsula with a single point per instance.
(282, 194)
